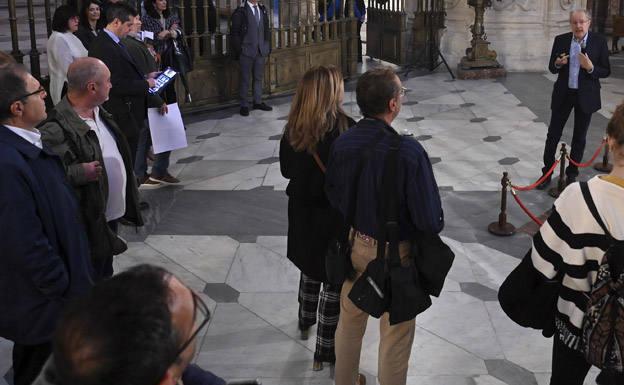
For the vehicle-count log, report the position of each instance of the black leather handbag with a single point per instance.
(529, 298)
(371, 291)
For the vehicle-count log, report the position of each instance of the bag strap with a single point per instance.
(388, 206)
(592, 207)
(362, 160)
(319, 162)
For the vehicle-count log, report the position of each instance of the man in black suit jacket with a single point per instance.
(580, 58)
(128, 97)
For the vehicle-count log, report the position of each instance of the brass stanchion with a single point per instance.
(604, 166)
(561, 183)
(502, 227)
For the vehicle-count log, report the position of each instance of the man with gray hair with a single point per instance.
(579, 58)
(96, 159)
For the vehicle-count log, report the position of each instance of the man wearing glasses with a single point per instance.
(580, 59)
(141, 326)
(44, 259)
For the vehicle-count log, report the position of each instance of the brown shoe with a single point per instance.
(150, 183)
(165, 179)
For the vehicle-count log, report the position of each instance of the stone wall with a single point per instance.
(520, 31)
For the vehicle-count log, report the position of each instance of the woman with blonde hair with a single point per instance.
(315, 120)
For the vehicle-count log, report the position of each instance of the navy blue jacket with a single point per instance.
(588, 84)
(44, 255)
(420, 208)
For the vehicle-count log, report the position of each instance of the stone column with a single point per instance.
(520, 31)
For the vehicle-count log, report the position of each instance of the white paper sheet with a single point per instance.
(167, 130)
(147, 35)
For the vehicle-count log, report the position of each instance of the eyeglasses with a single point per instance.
(201, 320)
(39, 91)
(579, 22)
(402, 91)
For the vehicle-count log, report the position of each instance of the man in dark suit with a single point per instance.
(580, 58)
(251, 42)
(44, 260)
(128, 97)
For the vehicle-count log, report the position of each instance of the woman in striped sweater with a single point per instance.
(572, 241)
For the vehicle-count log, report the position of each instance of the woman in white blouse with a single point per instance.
(63, 48)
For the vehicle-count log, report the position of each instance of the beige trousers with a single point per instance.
(395, 343)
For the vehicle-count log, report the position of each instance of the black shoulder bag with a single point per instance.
(387, 284)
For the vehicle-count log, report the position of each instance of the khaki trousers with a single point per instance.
(395, 343)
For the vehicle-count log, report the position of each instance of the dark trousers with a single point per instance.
(570, 368)
(558, 119)
(105, 270)
(28, 360)
(251, 66)
(161, 161)
(328, 305)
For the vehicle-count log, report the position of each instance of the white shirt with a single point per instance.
(33, 137)
(114, 166)
(63, 49)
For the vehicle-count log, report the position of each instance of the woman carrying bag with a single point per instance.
(586, 222)
(315, 120)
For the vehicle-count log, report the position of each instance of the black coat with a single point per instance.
(312, 222)
(44, 259)
(128, 97)
(86, 36)
(588, 84)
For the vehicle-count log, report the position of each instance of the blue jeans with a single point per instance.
(161, 161)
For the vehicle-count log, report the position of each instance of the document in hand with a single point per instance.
(167, 130)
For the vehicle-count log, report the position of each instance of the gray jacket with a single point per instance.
(247, 36)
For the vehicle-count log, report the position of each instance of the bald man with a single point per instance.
(96, 159)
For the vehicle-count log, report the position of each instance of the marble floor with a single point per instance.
(223, 231)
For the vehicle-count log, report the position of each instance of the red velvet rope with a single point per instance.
(591, 161)
(523, 207)
(539, 181)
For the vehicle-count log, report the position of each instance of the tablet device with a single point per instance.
(163, 79)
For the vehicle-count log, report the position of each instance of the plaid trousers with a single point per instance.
(328, 312)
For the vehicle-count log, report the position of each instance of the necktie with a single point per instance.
(256, 13)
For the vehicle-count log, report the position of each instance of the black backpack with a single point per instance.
(603, 325)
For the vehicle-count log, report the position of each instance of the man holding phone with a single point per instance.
(580, 58)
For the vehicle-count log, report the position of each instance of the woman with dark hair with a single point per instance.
(159, 20)
(90, 14)
(315, 120)
(63, 48)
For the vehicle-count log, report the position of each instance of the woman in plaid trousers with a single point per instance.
(315, 120)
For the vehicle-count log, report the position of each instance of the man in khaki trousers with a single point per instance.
(354, 172)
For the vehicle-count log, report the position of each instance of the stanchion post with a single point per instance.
(604, 166)
(561, 183)
(502, 227)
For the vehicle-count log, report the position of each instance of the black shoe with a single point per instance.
(244, 111)
(143, 205)
(262, 106)
(544, 184)
(570, 180)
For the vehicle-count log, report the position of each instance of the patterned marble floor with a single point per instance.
(223, 232)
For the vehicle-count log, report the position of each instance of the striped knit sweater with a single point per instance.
(572, 240)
